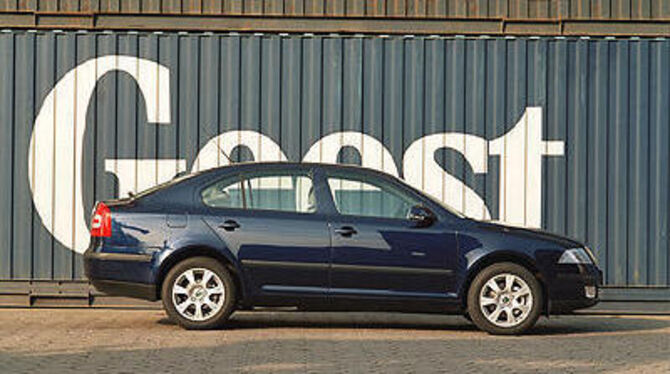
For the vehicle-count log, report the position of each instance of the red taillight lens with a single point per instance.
(101, 222)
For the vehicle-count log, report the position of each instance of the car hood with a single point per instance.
(529, 233)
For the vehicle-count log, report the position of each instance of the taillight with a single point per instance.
(101, 222)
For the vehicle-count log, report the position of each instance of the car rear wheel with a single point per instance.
(505, 299)
(198, 293)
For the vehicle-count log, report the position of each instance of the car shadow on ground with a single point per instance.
(318, 320)
(581, 324)
(555, 325)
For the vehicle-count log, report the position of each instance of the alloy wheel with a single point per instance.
(198, 294)
(506, 300)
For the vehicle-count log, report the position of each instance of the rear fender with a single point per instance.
(191, 244)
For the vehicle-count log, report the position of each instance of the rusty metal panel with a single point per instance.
(445, 110)
(648, 18)
(532, 9)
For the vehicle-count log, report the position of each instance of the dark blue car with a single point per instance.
(327, 237)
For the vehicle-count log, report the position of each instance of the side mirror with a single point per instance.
(421, 216)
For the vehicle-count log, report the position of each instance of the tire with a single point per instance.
(509, 310)
(199, 293)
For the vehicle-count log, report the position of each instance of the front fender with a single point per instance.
(477, 260)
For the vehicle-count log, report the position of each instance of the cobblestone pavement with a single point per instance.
(133, 341)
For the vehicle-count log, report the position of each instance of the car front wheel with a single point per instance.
(198, 293)
(505, 299)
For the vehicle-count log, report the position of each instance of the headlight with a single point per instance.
(575, 256)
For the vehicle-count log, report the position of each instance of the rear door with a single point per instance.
(270, 220)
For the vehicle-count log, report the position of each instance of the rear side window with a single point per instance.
(270, 191)
(226, 193)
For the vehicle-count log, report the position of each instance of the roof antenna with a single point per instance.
(244, 194)
(181, 173)
(218, 146)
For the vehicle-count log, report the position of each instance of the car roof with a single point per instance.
(187, 181)
(243, 166)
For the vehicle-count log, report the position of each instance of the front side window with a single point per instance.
(371, 198)
(282, 192)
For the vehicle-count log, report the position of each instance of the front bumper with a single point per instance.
(574, 287)
(121, 274)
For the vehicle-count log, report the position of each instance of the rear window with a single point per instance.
(176, 180)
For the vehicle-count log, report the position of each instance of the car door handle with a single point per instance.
(229, 225)
(346, 231)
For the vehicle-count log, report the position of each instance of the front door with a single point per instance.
(378, 252)
(270, 220)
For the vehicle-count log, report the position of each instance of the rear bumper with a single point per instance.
(128, 289)
(121, 274)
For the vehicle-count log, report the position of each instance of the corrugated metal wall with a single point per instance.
(607, 100)
(534, 9)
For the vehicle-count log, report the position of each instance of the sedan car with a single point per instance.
(327, 237)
